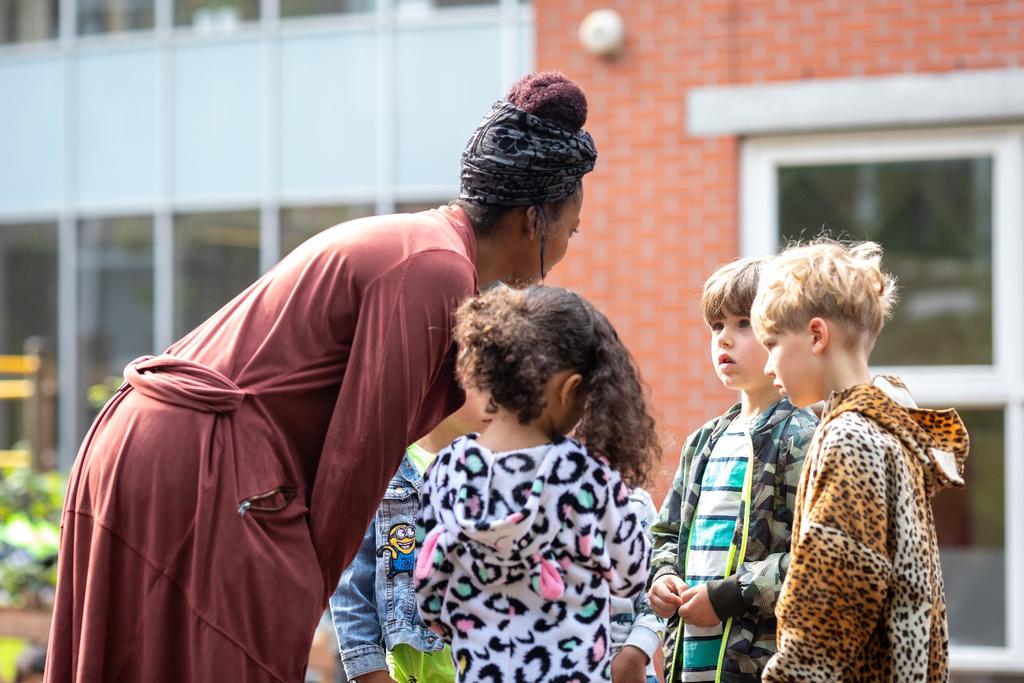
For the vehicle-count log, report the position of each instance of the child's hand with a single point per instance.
(629, 666)
(665, 595)
(696, 609)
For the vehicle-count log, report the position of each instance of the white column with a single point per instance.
(67, 259)
(270, 229)
(163, 228)
(509, 26)
(386, 102)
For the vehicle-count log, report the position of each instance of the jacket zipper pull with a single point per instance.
(244, 507)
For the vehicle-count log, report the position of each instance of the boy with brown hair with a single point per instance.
(863, 599)
(721, 541)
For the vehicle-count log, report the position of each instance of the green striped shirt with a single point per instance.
(711, 536)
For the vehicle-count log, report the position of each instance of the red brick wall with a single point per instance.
(661, 209)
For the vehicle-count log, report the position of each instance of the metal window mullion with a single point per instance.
(164, 16)
(67, 24)
(270, 234)
(67, 258)
(509, 31)
(67, 336)
(387, 177)
(163, 279)
(270, 229)
(163, 227)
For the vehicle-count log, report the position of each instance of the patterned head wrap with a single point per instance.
(518, 159)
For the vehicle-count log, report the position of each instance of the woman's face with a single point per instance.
(522, 251)
(563, 223)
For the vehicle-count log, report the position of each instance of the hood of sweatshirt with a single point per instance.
(547, 514)
(937, 439)
(498, 500)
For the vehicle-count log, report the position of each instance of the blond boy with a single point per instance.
(863, 599)
(721, 541)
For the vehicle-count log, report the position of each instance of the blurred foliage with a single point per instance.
(98, 394)
(30, 509)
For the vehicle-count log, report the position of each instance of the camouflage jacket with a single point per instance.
(746, 599)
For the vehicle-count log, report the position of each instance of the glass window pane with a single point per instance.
(109, 16)
(310, 141)
(115, 305)
(25, 20)
(430, 140)
(28, 306)
(31, 146)
(971, 530)
(216, 256)
(217, 120)
(303, 8)
(300, 223)
(934, 219)
(215, 15)
(116, 122)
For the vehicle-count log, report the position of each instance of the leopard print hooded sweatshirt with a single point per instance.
(863, 600)
(521, 552)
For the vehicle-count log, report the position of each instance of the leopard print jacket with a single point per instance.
(863, 600)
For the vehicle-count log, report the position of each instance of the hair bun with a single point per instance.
(550, 95)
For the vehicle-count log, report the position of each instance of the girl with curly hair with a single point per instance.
(528, 533)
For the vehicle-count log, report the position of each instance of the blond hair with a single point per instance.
(731, 289)
(828, 279)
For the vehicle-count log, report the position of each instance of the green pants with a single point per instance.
(409, 665)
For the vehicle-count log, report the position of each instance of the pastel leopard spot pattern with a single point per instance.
(522, 552)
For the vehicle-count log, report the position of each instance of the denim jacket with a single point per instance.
(633, 622)
(374, 605)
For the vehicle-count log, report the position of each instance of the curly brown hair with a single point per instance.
(512, 341)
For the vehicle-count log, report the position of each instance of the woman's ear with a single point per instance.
(819, 332)
(570, 387)
(534, 219)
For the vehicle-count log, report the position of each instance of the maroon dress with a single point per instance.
(222, 491)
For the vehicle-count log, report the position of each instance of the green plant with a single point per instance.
(98, 394)
(30, 509)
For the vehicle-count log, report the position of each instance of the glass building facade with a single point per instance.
(158, 155)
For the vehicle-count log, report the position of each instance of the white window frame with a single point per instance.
(999, 385)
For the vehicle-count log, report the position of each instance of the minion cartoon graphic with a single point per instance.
(401, 547)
